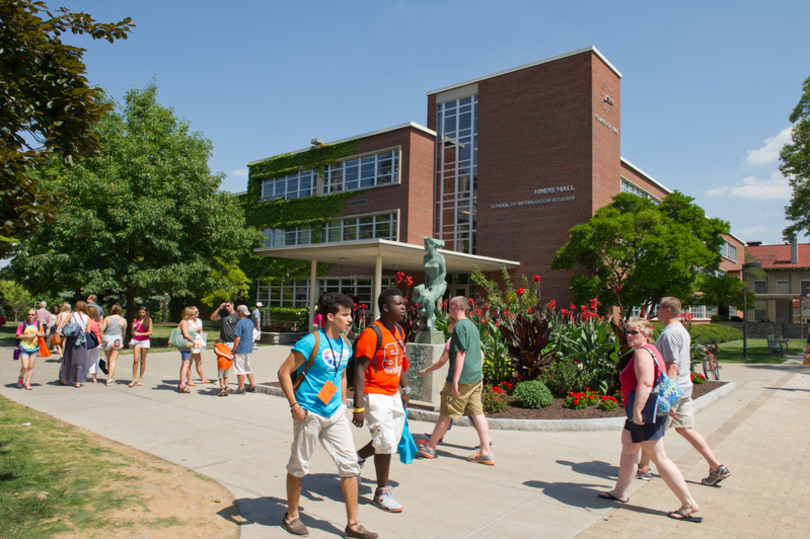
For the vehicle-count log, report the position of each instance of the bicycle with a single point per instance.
(711, 365)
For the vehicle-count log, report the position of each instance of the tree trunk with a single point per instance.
(130, 314)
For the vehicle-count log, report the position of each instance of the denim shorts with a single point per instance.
(185, 355)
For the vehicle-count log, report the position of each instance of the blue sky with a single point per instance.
(706, 93)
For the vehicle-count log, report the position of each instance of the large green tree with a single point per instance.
(795, 158)
(146, 217)
(47, 108)
(635, 252)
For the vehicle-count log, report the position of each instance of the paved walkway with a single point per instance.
(544, 484)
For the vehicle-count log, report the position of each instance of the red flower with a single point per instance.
(536, 278)
(552, 304)
(520, 291)
(573, 307)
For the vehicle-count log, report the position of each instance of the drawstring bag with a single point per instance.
(407, 447)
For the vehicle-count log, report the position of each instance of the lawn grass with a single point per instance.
(732, 352)
(53, 479)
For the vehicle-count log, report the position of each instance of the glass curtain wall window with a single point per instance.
(296, 293)
(299, 185)
(457, 173)
(382, 226)
(368, 171)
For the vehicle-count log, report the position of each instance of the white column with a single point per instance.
(377, 285)
(313, 292)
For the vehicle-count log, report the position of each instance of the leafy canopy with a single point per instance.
(47, 108)
(145, 217)
(795, 157)
(636, 252)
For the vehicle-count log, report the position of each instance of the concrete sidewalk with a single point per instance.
(544, 484)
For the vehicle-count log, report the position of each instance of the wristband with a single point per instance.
(406, 390)
(293, 404)
(358, 410)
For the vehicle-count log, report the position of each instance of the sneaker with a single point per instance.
(251, 389)
(385, 500)
(360, 533)
(238, 391)
(715, 476)
(646, 475)
(424, 450)
(28, 386)
(20, 382)
(361, 461)
(481, 458)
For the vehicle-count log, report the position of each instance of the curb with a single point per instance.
(543, 425)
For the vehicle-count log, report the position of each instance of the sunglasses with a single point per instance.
(634, 332)
(31, 314)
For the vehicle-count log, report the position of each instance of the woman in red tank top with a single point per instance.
(641, 375)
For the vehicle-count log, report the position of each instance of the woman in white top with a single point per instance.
(114, 328)
(195, 327)
(74, 366)
(61, 320)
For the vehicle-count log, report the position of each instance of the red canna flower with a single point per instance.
(536, 278)
(520, 291)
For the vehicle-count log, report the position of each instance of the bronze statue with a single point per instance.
(426, 295)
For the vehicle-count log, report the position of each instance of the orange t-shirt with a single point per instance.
(389, 363)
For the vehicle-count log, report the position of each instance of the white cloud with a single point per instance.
(747, 231)
(770, 151)
(239, 172)
(773, 188)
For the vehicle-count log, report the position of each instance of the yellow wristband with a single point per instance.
(358, 410)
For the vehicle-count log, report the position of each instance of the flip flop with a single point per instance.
(132, 383)
(609, 496)
(140, 383)
(677, 515)
(191, 384)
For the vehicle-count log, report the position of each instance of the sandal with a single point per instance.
(132, 383)
(191, 384)
(678, 515)
(140, 382)
(294, 526)
(183, 389)
(609, 496)
(110, 380)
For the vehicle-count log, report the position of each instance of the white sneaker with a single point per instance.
(385, 500)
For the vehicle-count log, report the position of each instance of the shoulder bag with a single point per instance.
(669, 391)
(177, 340)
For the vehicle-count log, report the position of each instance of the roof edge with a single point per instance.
(647, 176)
(364, 135)
(532, 64)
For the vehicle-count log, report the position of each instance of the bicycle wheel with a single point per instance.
(716, 369)
(706, 367)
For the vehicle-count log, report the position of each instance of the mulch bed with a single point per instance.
(556, 410)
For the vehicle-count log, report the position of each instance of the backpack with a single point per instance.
(351, 368)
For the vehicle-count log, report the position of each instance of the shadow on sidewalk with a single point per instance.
(595, 468)
(582, 495)
(269, 511)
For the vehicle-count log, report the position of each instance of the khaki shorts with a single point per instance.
(469, 403)
(241, 364)
(386, 419)
(685, 414)
(335, 435)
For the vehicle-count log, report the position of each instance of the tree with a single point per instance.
(795, 166)
(15, 297)
(47, 108)
(635, 252)
(143, 219)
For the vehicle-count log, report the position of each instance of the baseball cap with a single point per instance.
(259, 304)
(243, 309)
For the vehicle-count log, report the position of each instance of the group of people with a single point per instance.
(670, 356)
(78, 334)
(314, 380)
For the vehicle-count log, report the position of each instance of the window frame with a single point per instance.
(396, 173)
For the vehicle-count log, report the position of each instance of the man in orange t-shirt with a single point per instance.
(377, 385)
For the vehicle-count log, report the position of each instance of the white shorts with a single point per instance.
(386, 419)
(241, 364)
(335, 435)
(142, 344)
(110, 340)
(684, 414)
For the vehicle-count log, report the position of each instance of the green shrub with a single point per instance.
(719, 318)
(736, 319)
(714, 332)
(533, 394)
(562, 376)
(494, 399)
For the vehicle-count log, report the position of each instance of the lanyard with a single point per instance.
(338, 360)
(394, 337)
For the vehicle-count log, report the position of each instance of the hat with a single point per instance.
(243, 309)
(259, 304)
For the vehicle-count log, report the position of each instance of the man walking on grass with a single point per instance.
(319, 414)
(380, 375)
(675, 345)
(462, 391)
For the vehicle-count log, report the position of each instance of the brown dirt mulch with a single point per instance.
(556, 410)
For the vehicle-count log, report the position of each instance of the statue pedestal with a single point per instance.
(430, 337)
(428, 387)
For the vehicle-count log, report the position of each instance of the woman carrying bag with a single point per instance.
(74, 329)
(28, 333)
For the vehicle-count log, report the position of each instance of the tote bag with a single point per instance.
(177, 340)
(407, 447)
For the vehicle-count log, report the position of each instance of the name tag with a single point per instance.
(327, 392)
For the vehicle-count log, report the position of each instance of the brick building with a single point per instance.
(507, 164)
(783, 285)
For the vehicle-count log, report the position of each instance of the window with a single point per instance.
(633, 189)
(760, 314)
(382, 226)
(285, 294)
(732, 311)
(298, 185)
(760, 287)
(297, 235)
(729, 251)
(457, 173)
(698, 311)
(783, 287)
(805, 288)
(359, 173)
(296, 293)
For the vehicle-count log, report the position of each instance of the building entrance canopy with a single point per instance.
(379, 254)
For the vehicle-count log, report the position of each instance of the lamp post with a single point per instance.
(750, 265)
